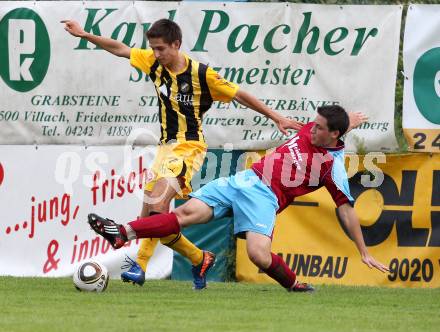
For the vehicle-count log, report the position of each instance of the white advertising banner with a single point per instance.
(46, 194)
(421, 59)
(56, 88)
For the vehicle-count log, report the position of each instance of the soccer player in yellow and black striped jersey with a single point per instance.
(185, 90)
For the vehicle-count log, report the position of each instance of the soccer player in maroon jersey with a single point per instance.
(311, 159)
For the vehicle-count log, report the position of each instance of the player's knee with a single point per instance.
(259, 257)
(161, 207)
(183, 213)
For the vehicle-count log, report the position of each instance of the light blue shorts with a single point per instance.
(243, 195)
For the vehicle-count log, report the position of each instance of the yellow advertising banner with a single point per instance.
(397, 199)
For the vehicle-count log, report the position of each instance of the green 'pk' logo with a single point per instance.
(24, 49)
(426, 85)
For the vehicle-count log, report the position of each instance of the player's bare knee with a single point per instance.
(156, 204)
(259, 257)
(193, 212)
(161, 207)
(183, 214)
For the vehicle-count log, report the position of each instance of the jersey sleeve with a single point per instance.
(142, 59)
(336, 181)
(219, 88)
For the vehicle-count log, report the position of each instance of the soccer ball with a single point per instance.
(90, 276)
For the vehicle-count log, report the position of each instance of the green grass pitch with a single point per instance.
(53, 304)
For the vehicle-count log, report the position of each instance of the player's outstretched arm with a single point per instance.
(351, 222)
(282, 123)
(356, 119)
(113, 46)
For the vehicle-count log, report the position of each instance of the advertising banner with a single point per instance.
(399, 212)
(421, 59)
(46, 194)
(58, 89)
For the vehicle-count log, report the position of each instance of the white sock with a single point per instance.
(131, 234)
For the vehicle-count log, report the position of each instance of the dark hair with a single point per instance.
(337, 118)
(166, 29)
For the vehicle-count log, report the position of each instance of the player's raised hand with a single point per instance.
(372, 263)
(252, 102)
(284, 123)
(73, 28)
(356, 119)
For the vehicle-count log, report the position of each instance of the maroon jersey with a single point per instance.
(298, 167)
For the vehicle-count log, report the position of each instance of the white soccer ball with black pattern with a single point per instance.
(90, 276)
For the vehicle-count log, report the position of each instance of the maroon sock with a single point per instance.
(123, 231)
(156, 226)
(281, 272)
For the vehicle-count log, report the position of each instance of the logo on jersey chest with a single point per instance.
(182, 96)
(184, 87)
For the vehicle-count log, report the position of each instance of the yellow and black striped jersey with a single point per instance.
(183, 97)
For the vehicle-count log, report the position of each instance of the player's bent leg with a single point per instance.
(146, 247)
(135, 272)
(258, 247)
(154, 203)
(137, 269)
(193, 212)
(178, 242)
